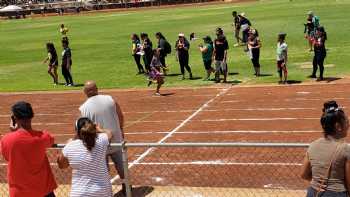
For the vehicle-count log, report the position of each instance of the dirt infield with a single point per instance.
(215, 114)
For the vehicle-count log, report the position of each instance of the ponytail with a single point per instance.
(332, 115)
(86, 131)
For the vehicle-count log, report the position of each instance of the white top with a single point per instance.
(90, 174)
(282, 51)
(101, 109)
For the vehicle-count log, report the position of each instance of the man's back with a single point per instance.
(101, 109)
(29, 172)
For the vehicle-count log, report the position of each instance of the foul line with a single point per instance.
(149, 150)
(219, 163)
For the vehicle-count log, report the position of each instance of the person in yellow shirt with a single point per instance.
(63, 31)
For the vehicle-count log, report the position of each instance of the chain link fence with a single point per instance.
(200, 170)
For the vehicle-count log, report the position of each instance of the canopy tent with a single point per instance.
(11, 8)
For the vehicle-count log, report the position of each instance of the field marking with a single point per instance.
(285, 100)
(183, 123)
(220, 132)
(215, 163)
(253, 119)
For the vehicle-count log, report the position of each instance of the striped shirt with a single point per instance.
(90, 175)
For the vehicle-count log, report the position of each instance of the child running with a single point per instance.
(282, 57)
(53, 62)
(155, 76)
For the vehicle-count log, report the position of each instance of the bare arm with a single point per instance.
(62, 161)
(347, 175)
(121, 117)
(106, 131)
(306, 173)
(203, 49)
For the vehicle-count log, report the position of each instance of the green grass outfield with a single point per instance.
(101, 43)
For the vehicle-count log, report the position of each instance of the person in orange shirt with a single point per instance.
(28, 171)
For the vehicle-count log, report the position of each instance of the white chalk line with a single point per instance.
(284, 100)
(149, 150)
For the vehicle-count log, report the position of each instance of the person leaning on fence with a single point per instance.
(28, 171)
(86, 154)
(327, 161)
(105, 112)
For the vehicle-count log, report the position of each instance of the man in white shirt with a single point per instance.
(104, 111)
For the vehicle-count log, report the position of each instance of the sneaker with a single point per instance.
(312, 76)
(191, 77)
(320, 79)
(235, 45)
(66, 84)
(157, 94)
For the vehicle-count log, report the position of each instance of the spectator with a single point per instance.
(220, 55)
(136, 49)
(67, 63)
(182, 46)
(53, 61)
(327, 161)
(147, 49)
(164, 49)
(104, 111)
(86, 155)
(320, 52)
(236, 26)
(282, 57)
(207, 53)
(254, 45)
(28, 171)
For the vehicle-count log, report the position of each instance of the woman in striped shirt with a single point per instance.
(86, 156)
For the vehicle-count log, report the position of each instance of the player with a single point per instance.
(53, 62)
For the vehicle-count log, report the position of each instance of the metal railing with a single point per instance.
(200, 170)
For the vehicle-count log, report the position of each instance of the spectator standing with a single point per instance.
(28, 172)
(53, 62)
(327, 161)
(105, 112)
(282, 57)
(207, 54)
(136, 49)
(86, 155)
(254, 45)
(320, 52)
(147, 50)
(67, 63)
(164, 49)
(220, 55)
(182, 46)
(237, 27)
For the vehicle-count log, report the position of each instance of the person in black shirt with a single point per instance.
(162, 50)
(66, 63)
(220, 55)
(319, 51)
(237, 27)
(53, 62)
(182, 46)
(245, 26)
(254, 45)
(147, 50)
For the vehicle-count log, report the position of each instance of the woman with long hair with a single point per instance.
(254, 45)
(327, 161)
(53, 62)
(182, 46)
(320, 52)
(207, 55)
(147, 50)
(136, 49)
(86, 155)
(164, 49)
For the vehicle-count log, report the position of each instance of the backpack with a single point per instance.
(167, 47)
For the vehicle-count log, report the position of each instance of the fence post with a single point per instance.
(126, 180)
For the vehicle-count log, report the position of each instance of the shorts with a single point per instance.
(220, 66)
(207, 65)
(281, 65)
(311, 192)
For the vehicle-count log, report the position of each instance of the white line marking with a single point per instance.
(218, 132)
(219, 163)
(149, 150)
(253, 119)
(46, 124)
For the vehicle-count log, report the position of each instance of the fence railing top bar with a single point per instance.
(211, 144)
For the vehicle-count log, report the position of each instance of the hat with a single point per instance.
(181, 35)
(242, 14)
(310, 13)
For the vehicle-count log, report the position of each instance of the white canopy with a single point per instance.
(10, 8)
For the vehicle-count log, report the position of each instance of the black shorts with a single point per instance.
(207, 64)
